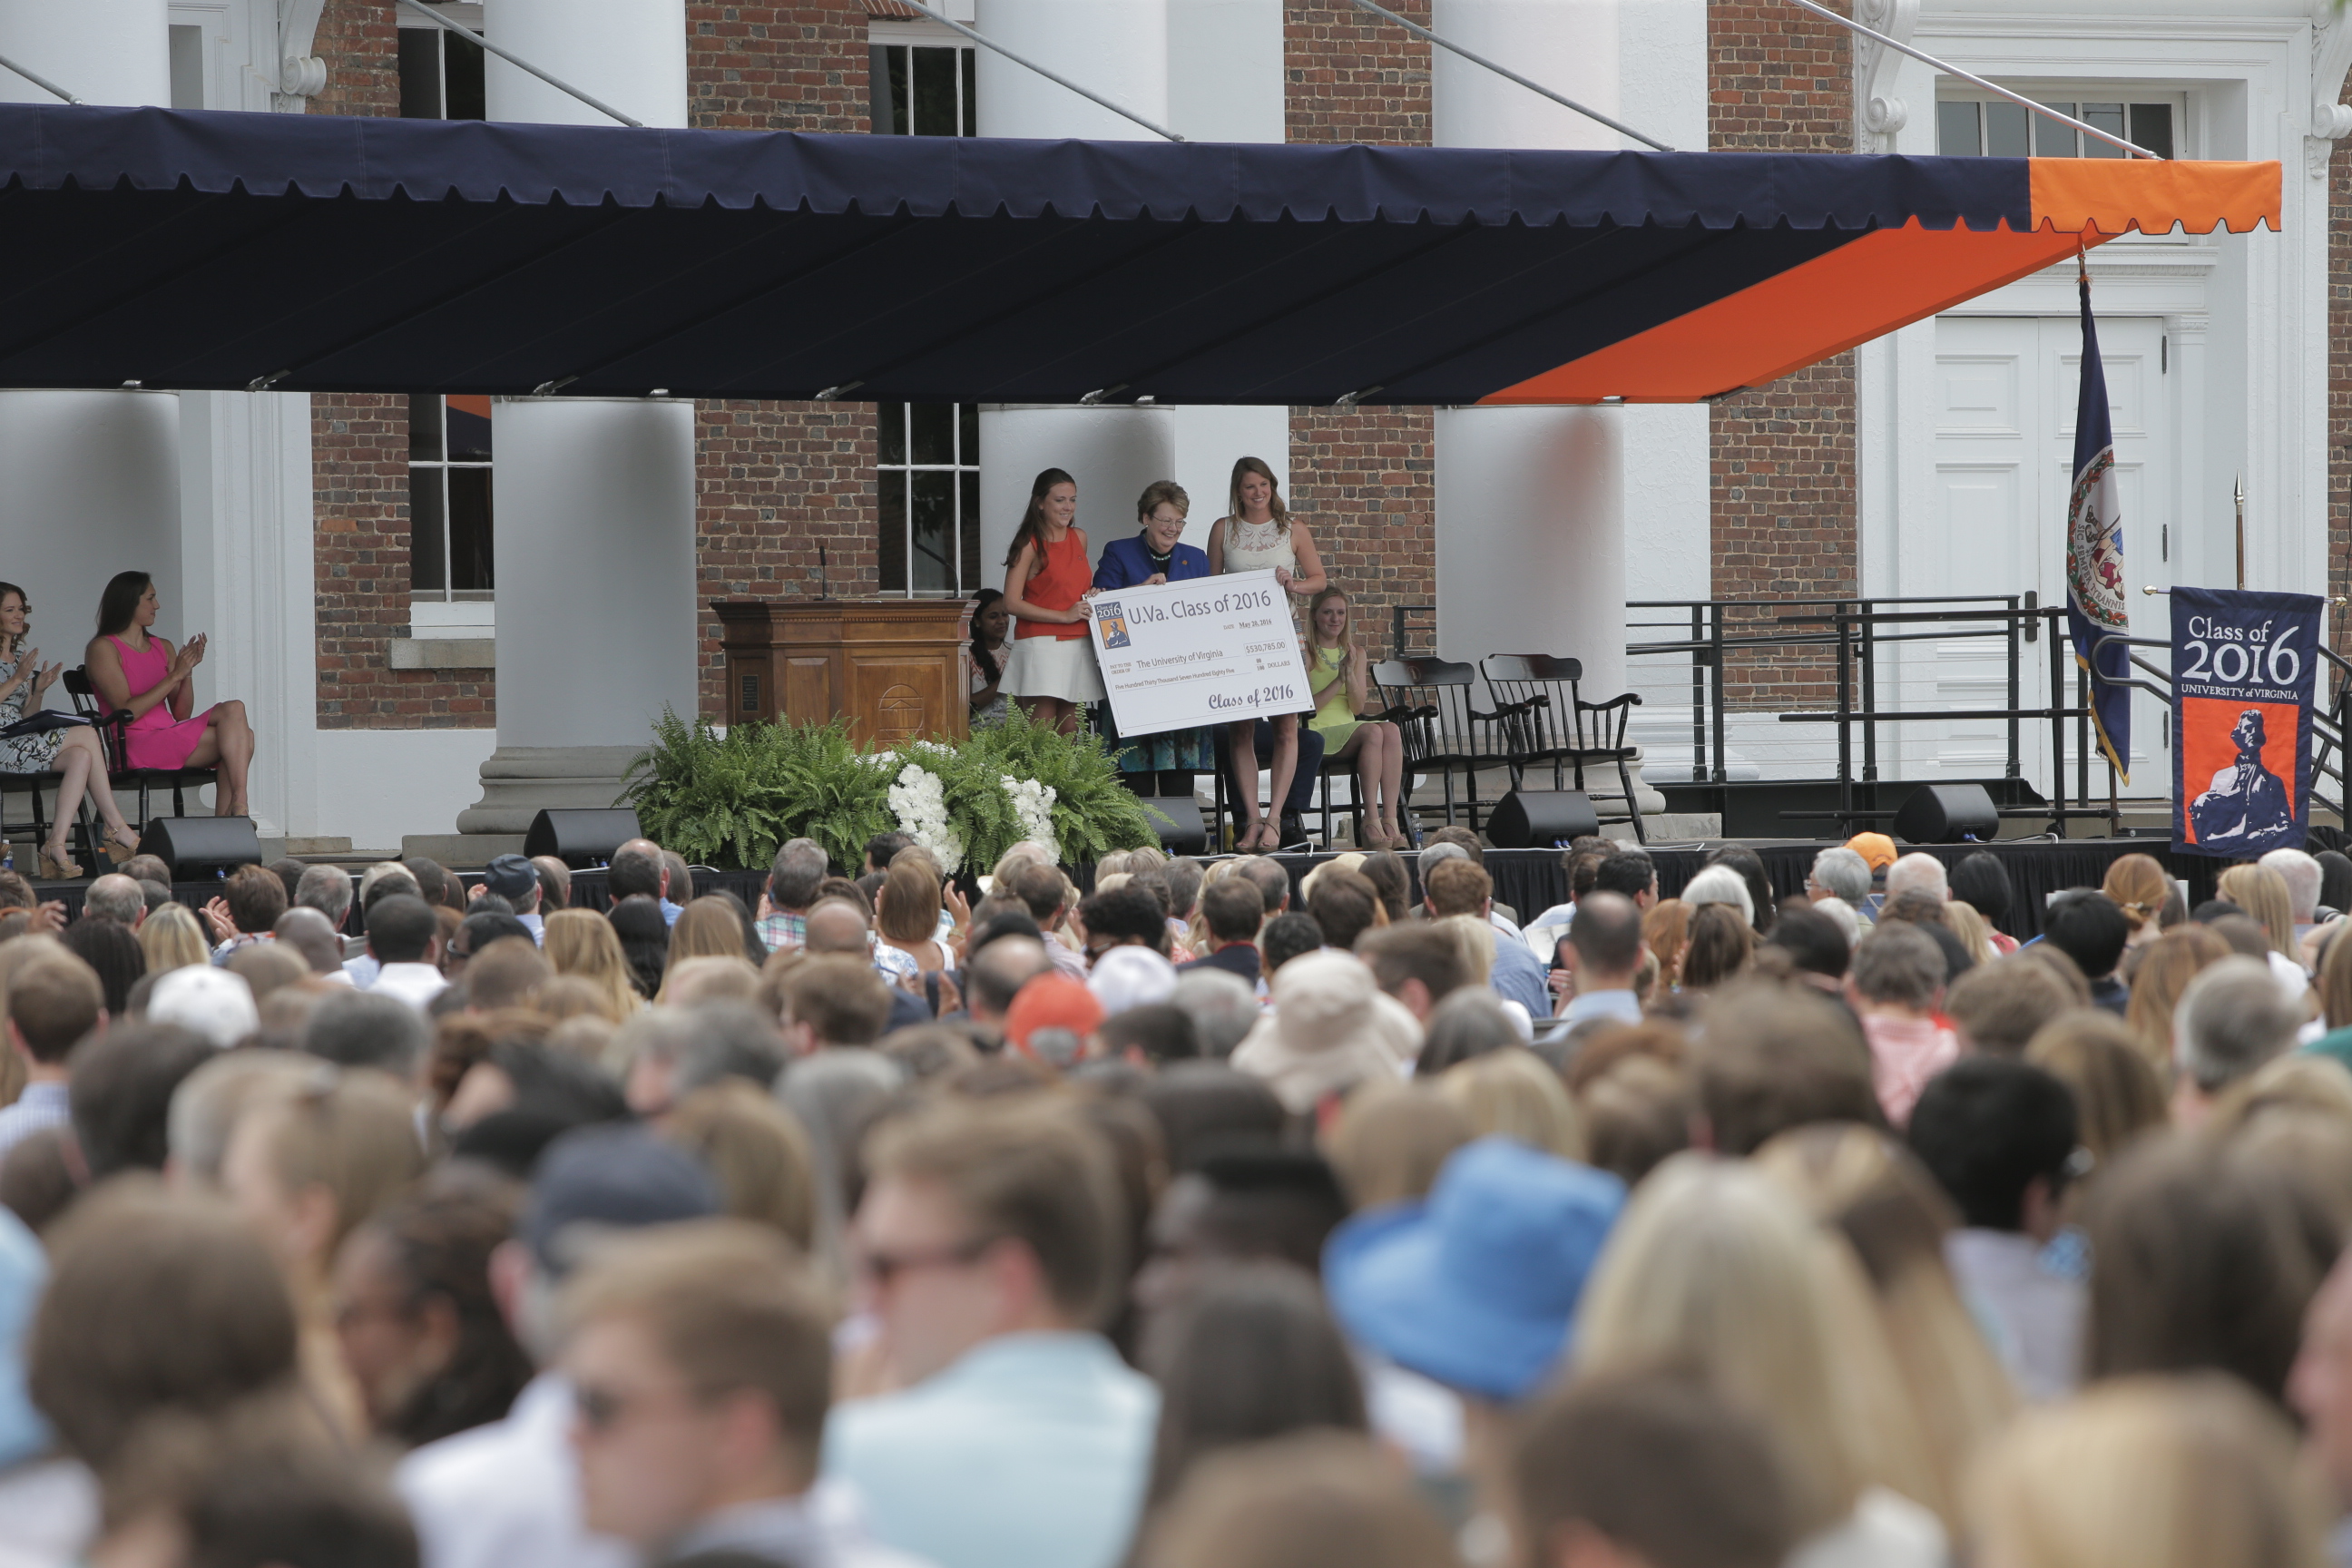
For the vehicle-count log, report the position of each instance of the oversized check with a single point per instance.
(1210, 650)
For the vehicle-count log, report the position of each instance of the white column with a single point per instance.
(1225, 84)
(1112, 453)
(1530, 501)
(93, 478)
(593, 499)
(1117, 48)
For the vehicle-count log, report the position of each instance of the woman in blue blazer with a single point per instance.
(1165, 763)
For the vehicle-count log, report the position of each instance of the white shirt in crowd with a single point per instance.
(414, 984)
(507, 1495)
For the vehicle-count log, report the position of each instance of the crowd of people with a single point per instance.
(1204, 1217)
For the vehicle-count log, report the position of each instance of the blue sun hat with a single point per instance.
(1475, 1285)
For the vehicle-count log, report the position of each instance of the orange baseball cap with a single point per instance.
(1051, 1002)
(1874, 848)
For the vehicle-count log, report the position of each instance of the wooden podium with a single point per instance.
(895, 667)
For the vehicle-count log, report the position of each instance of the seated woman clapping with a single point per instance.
(71, 751)
(136, 671)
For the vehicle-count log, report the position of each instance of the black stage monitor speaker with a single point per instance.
(197, 847)
(581, 838)
(1177, 819)
(1946, 813)
(1541, 819)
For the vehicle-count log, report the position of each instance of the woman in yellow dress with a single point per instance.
(1338, 679)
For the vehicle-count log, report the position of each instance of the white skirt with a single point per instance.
(1053, 666)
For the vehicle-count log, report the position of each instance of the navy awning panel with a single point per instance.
(318, 253)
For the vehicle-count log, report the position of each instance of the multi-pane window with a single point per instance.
(921, 90)
(440, 75)
(449, 497)
(448, 437)
(928, 469)
(927, 454)
(1995, 127)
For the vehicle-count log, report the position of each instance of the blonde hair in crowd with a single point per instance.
(2137, 883)
(2173, 959)
(2262, 893)
(582, 942)
(1861, 1182)
(1515, 1094)
(2158, 1472)
(171, 939)
(1716, 1268)
(1970, 928)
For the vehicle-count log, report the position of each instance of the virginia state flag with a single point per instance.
(2095, 555)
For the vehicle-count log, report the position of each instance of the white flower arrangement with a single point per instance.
(1033, 806)
(921, 805)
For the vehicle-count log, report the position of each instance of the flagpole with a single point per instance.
(2237, 494)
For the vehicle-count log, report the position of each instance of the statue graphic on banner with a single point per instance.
(2246, 802)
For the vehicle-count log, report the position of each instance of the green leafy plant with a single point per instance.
(731, 799)
(1093, 813)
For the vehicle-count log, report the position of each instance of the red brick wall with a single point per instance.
(1352, 76)
(359, 497)
(359, 475)
(1365, 482)
(1783, 494)
(1364, 477)
(355, 39)
(776, 67)
(775, 480)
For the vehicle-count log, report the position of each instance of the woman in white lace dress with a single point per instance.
(1260, 533)
(72, 752)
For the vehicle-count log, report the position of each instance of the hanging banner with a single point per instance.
(2243, 676)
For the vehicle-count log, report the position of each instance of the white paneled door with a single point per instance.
(2005, 395)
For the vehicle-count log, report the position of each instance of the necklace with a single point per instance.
(1160, 557)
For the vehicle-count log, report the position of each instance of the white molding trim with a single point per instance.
(301, 74)
(1878, 114)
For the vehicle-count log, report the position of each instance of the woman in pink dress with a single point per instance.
(133, 669)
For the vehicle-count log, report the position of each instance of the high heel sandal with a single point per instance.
(118, 851)
(57, 868)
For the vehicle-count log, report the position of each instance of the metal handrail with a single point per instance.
(1854, 625)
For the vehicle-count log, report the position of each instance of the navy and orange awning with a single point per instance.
(316, 253)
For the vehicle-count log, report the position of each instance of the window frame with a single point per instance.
(890, 46)
(446, 610)
(2057, 93)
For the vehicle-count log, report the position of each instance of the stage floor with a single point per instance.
(1533, 880)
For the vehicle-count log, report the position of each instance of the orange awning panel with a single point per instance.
(1891, 278)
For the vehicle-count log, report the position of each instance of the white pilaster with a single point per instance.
(1225, 84)
(1530, 501)
(93, 478)
(1118, 48)
(246, 558)
(593, 498)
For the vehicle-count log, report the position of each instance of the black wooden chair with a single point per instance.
(1445, 733)
(36, 821)
(1341, 768)
(113, 734)
(1547, 720)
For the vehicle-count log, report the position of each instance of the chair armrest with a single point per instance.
(1624, 700)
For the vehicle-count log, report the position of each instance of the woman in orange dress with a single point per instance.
(1047, 581)
(135, 670)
